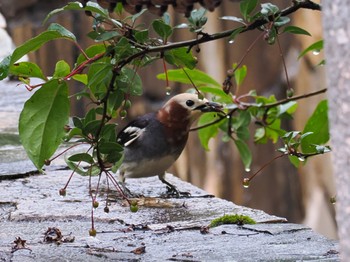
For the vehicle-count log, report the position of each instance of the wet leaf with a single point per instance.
(246, 7)
(55, 31)
(244, 152)
(295, 30)
(27, 69)
(162, 29)
(62, 69)
(318, 125)
(42, 121)
(205, 134)
(180, 57)
(317, 46)
(81, 157)
(198, 77)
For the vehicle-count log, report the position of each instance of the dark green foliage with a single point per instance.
(109, 72)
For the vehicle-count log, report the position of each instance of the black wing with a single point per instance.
(133, 130)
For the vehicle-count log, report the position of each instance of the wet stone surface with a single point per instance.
(32, 211)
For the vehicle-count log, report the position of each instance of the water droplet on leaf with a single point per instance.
(246, 182)
(247, 169)
(301, 158)
(333, 200)
(168, 90)
(316, 52)
(123, 114)
(231, 41)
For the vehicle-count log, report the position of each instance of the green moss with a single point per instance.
(231, 219)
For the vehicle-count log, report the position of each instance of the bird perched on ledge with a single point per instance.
(153, 142)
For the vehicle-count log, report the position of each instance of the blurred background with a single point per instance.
(300, 195)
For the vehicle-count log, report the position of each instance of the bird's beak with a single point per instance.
(210, 107)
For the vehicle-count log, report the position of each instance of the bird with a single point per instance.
(154, 141)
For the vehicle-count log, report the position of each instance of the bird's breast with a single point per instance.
(147, 167)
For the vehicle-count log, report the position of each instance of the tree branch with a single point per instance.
(294, 98)
(306, 4)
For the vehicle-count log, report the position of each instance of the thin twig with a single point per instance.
(294, 98)
(221, 117)
(283, 63)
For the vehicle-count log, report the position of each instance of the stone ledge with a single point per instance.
(166, 229)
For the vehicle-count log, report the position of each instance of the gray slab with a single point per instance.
(168, 229)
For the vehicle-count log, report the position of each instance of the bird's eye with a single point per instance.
(189, 102)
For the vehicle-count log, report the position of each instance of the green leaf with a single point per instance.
(235, 33)
(205, 134)
(197, 19)
(137, 15)
(281, 21)
(322, 149)
(166, 18)
(246, 7)
(62, 69)
(90, 6)
(106, 36)
(268, 9)
(82, 78)
(114, 156)
(180, 57)
(92, 171)
(91, 51)
(220, 95)
(294, 160)
(114, 101)
(42, 120)
(240, 74)
(233, 19)
(162, 29)
(26, 69)
(295, 30)
(62, 31)
(259, 135)
(243, 133)
(274, 131)
(243, 119)
(55, 31)
(4, 67)
(123, 49)
(318, 125)
(288, 108)
(73, 132)
(90, 116)
(198, 77)
(99, 75)
(108, 147)
(108, 133)
(244, 153)
(130, 81)
(81, 157)
(91, 127)
(141, 36)
(77, 122)
(317, 46)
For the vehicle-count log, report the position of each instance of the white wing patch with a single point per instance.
(134, 133)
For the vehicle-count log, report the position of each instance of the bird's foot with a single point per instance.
(173, 192)
(127, 193)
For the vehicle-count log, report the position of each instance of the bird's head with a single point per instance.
(186, 108)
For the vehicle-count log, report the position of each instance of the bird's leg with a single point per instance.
(172, 191)
(126, 190)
